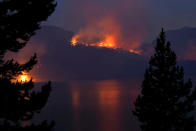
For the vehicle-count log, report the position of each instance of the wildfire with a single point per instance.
(106, 32)
(108, 42)
(24, 77)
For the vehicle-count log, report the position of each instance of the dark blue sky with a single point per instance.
(153, 14)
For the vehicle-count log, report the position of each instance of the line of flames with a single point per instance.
(109, 42)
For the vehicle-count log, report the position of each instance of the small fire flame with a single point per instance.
(74, 40)
(109, 42)
(135, 51)
(24, 77)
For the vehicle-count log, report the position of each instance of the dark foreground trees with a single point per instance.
(166, 101)
(19, 19)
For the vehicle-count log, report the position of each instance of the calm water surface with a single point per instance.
(93, 105)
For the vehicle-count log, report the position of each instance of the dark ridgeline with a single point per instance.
(18, 103)
(166, 100)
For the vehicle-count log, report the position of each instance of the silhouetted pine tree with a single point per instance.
(19, 19)
(166, 100)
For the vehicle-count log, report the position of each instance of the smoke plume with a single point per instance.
(111, 23)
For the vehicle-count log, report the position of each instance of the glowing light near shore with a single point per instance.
(24, 77)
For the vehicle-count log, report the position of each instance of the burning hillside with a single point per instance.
(105, 32)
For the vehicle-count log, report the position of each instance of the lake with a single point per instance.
(104, 105)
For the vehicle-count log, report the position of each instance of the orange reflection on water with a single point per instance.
(109, 103)
(102, 105)
(76, 106)
(75, 97)
(108, 94)
(108, 98)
